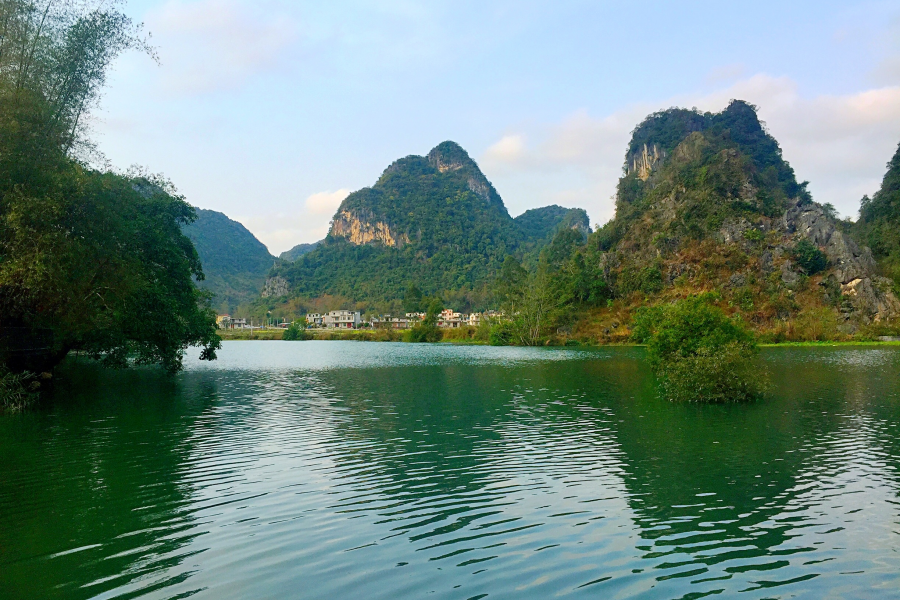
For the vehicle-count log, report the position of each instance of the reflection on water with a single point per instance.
(345, 470)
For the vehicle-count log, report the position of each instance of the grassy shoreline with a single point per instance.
(368, 335)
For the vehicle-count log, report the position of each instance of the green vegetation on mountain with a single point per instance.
(298, 251)
(879, 221)
(435, 222)
(235, 263)
(707, 205)
(541, 224)
(89, 260)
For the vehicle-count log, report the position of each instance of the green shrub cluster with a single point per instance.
(698, 352)
(809, 258)
(296, 333)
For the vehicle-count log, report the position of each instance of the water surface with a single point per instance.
(362, 470)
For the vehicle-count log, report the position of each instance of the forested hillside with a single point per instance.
(434, 221)
(234, 262)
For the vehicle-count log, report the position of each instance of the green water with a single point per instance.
(358, 470)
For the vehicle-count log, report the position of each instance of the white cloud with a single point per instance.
(840, 143)
(282, 231)
(510, 149)
(210, 45)
(326, 203)
(726, 73)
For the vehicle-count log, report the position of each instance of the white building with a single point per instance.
(389, 322)
(449, 319)
(342, 319)
(315, 320)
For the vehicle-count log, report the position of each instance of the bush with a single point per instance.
(502, 334)
(425, 333)
(648, 280)
(721, 375)
(809, 258)
(698, 352)
(295, 333)
(460, 334)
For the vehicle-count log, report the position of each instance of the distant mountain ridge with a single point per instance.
(432, 220)
(234, 261)
(298, 251)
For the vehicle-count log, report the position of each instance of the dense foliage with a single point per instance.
(543, 301)
(235, 263)
(879, 220)
(296, 332)
(699, 353)
(298, 251)
(89, 260)
(541, 224)
(458, 233)
(427, 331)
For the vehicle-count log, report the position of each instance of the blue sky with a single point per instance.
(271, 112)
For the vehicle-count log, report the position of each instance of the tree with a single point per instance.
(296, 331)
(95, 258)
(412, 301)
(427, 330)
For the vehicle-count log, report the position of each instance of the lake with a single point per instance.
(381, 471)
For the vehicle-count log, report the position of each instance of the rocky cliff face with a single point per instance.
(362, 227)
(870, 296)
(449, 157)
(644, 161)
(275, 287)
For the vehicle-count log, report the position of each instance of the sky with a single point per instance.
(273, 111)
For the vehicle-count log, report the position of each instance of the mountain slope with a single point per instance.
(541, 224)
(235, 263)
(433, 220)
(298, 251)
(879, 220)
(709, 203)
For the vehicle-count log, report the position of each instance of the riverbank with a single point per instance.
(380, 335)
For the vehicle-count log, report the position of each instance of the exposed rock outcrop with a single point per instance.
(810, 221)
(362, 228)
(872, 299)
(853, 267)
(276, 287)
(644, 161)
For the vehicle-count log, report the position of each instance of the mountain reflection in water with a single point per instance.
(342, 470)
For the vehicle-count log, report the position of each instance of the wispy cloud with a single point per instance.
(210, 45)
(284, 230)
(325, 203)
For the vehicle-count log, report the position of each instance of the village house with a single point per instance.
(449, 319)
(389, 322)
(315, 320)
(342, 319)
(229, 322)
